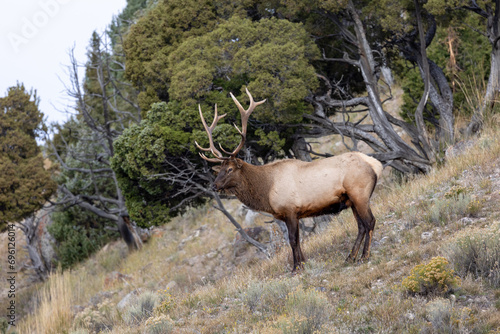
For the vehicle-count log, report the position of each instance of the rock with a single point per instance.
(257, 233)
(410, 316)
(211, 255)
(144, 233)
(126, 300)
(171, 285)
(466, 221)
(426, 235)
(194, 260)
(250, 217)
(115, 277)
(192, 236)
(384, 240)
(100, 297)
(458, 149)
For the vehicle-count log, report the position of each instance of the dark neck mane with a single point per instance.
(254, 188)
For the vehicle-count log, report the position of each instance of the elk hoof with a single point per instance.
(364, 259)
(298, 269)
(350, 259)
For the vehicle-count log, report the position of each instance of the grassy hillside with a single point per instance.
(193, 277)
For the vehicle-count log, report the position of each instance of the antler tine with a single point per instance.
(209, 130)
(222, 148)
(202, 148)
(245, 114)
(203, 156)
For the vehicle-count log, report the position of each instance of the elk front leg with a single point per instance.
(294, 238)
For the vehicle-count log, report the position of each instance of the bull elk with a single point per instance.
(293, 189)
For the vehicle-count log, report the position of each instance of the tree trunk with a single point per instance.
(31, 229)
(491, 94)
(382, 126)
(440, 93)
(493, 87)
(300, 149)
(129, 233)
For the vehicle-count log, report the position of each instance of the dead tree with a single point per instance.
(380, 134)
(104, 107)
(33, 228)
(489, 11)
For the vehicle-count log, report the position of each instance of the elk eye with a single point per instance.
(229, 170)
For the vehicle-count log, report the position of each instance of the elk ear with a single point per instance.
(217, 168)
(239, 163)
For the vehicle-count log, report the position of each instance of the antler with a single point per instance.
(244, 119)
(209, 130)
(244, 122)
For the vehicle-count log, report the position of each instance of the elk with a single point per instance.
(293, 189)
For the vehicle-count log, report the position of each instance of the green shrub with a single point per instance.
(160, 324)
(445, 318)
(78, 235)
(442, 211)
(94, 319)
(309, 311)
(478, 254)
(268, 296)
(166, 303)
(455, 191)
(140, 308)
(434, 277)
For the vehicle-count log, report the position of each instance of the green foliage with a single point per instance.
(140, 307)
(179, 50)
(309, 311)
(146, 151)
(156, 35)
(434, 277)
(445, 318)
(478, 254)
(471, 53)
(161, 324)
(78, 235)
(270, 140)
(266, 297)
(443, 211)
(120, 24)
(25, 185)
(167, 303)
(95, 319)
(273, 54)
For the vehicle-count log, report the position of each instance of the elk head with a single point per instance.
(228, 175)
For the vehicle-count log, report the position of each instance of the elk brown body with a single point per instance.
(293, 189)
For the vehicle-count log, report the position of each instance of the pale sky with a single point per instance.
(35, 38)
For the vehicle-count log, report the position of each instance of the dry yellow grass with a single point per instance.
(53, 314)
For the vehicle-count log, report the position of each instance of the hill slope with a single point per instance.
(193, 277)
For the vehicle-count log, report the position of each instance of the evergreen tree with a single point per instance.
(25, 185)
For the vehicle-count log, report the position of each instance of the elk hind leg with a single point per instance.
(369, 219)
(366, 225)
(359, 239)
